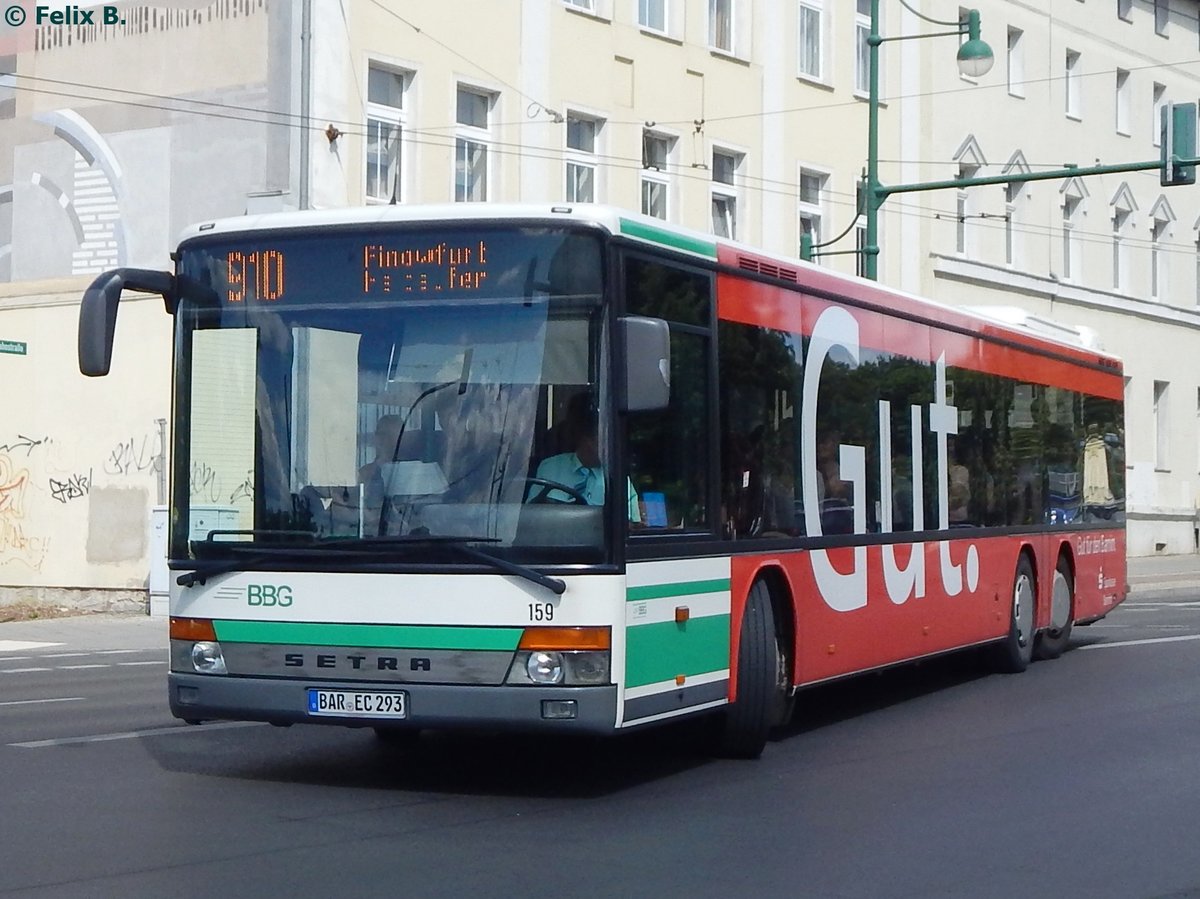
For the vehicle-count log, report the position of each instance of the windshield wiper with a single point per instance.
(460, 545)
(361, 548)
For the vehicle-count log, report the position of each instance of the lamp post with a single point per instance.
(974, 59)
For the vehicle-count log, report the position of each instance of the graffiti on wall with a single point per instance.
(75, 486)
(135, 456)
(18, 542)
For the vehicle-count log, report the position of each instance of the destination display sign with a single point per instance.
(428, 264)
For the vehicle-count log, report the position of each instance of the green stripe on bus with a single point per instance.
(669, 238)
(658, 652)
(683, 588)
(390, 636)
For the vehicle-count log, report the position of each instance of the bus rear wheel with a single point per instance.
(761, 692)
(1054, 639)
(1015, 653)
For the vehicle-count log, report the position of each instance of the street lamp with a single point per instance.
(975, 58)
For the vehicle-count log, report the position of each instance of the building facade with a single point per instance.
(746, 118)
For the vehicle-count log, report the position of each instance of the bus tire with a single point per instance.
(1014, 654)
(1054, 639)
(748, 719)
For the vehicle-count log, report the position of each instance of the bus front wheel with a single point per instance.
(1014, 654)
(760, 692)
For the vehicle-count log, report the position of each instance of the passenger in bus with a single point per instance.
(580, 468)
(959, 486)
(386, 446)
(836, 496)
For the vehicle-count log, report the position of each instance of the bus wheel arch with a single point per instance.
(746, 722)
(783, 607)
(1014, 653)
(1054, 638)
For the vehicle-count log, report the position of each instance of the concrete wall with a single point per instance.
(80, 459)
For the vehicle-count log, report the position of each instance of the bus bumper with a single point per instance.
(198, 697)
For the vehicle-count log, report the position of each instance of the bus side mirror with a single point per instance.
(98, 312)
(647, 347)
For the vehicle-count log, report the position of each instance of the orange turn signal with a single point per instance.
(192, 629)
(566, 638)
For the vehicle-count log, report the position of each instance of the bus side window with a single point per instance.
(668, 451)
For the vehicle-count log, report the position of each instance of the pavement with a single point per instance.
(1164, 576)
(98, 631)
(1150, 577)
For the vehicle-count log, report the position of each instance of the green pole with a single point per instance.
(873, 198)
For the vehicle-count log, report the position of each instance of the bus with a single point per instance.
(573, 469)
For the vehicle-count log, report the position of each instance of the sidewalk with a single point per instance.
(1164, 576)
(90, 632)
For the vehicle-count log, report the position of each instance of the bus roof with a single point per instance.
(645, 229)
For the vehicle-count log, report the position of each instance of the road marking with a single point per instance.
(22, 670)
(134, 664)
(1147, 642)
(80, 667)
(122, 652)
(37, 701)
(138, 734)
(1158, 606)
(66, 655)
(18, 645)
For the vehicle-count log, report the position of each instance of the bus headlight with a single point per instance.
(568, 668)
(544, 667)
(562, 656)
(207, 657)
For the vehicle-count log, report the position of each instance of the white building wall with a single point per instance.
(1156, 335)
(227, 125)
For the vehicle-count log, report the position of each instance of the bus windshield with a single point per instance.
(370, 389)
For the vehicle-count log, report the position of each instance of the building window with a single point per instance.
(1160, 94)
(471, 146)
(720, 25)
(1161, 424)
(1071, 262)
(652, 14)
(1012, 243)
(860, 230)
(1124, 8)
(725, 169)
(862, 50)
(1158, 259)
(964, 236)
(812, 203)
(812, 40)
(656, 154)
(585, 5)
(1162, 11)
(1072, 70)
(385, 130)
(1120, 225)
(1122, 101)
(582, 133)
(1016, 62)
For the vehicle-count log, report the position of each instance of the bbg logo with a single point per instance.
(268, 595)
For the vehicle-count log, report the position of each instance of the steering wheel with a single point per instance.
(542, 496)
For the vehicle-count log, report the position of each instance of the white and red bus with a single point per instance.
(577, 469)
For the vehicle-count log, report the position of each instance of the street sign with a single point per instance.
(1178, 143)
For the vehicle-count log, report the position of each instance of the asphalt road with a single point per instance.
(1079, 777)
